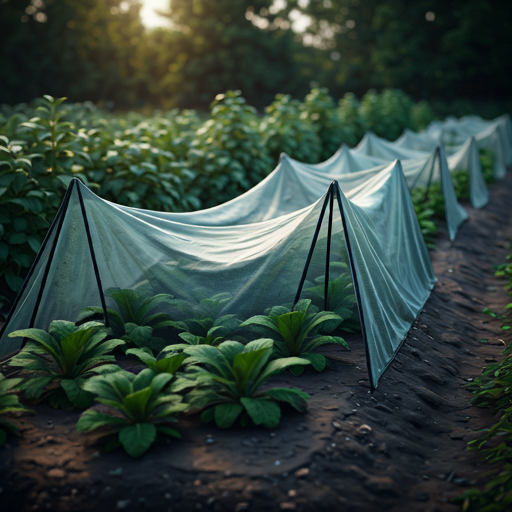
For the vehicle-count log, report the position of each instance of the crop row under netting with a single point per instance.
(343, 233)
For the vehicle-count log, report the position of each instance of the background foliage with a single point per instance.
(453, 54)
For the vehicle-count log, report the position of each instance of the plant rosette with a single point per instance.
(58, 362)
(228, 379)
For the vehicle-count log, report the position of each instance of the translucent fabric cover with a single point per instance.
(420, 169)
(255, 265)
(495, 135)
(463, 158)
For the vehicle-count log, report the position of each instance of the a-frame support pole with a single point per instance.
(356, 286)
(93, 255)
(328, 253)
(57, 221)
(437, 156)
(50, 256)
(312, 248)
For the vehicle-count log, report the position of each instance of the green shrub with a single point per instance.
(228, 155)
(287, 129)
(228, 383)
(487, 163)
(386, 114)
(348, 111)
(59, 361)
(135, 408)
(421, 115)
(321, 112)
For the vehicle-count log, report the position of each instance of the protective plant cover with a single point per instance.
(94, 245)
(494, 135)
(420, 169)
(465, 158)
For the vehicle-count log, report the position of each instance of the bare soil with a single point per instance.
(401, 448)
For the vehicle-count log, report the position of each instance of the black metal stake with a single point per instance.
(356, 286)
(93, 255)
(56, 220)
(311, 249)
(50, 256)
(328, 254)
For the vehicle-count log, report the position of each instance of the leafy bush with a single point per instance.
(461, 184)
(9, 402)
(321, 111)
(348, 111)
(429, 206)
(296, 333)
(421, 115)
(135, 408)
(229, 384)
(487, 163)
(135, 321)
(387, 114)
(59, 361)
(286, 128)
(228, 155)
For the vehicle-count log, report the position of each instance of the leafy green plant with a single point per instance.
(228, 155)
(341, 298)
(320, 110)
(134, 409)
(487, 162)
(228, 383)
(286, 129)
(203, 319)
(9, 402)
(136, 320)
(461, 184)
(296, 333)
(429, 207)
(59, 361)
(167, 361)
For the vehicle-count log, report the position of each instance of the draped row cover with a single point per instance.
(464, 158)
(420, 169)
(495, 135)
(94, 245)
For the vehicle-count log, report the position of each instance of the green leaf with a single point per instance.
(208, 415)
(92, 419)
(137, 438)
(262, 411)
(169, 432)
(76, 395)
(294, 396)
(277, 366)
(226, 414)
(318, 361)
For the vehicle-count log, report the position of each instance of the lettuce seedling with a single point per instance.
(134, 407)
(296, 333)
(229, 383)
(9, 402)
(59, 361)
(136, 320)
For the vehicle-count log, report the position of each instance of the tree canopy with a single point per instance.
(99, 50)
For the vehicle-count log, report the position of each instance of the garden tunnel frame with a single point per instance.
(57, 225)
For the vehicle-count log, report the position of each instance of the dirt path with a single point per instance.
(401, 448)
